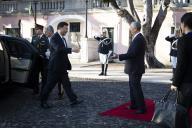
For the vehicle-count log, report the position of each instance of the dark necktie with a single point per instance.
(65, 43)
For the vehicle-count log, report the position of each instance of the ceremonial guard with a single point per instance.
(105, 50)
(41, 43)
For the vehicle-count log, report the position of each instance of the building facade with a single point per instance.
(18, 18)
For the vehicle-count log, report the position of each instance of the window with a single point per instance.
(100, 4)
(75, 27)
(12, 49)
(12, 31)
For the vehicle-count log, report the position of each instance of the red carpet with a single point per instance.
(122, 112)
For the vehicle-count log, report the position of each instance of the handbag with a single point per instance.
(165, 112)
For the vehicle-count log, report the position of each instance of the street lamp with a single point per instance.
(86, 19)
(35, 15)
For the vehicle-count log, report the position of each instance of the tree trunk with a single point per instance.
(150, 54)
(150, 35)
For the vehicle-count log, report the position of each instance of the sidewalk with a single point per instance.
(115, 72)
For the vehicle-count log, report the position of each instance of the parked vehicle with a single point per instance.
(18, 61)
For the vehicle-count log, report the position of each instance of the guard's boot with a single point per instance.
(102, 68)
(106, 66)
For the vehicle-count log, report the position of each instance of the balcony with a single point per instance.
(12, 7)
(181, 3)
(51, 6)
(8, 7)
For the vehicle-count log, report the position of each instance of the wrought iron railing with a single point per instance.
(47, 6)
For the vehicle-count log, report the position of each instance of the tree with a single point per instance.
(148, 27)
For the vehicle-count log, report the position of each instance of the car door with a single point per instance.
(20, 60)
(4, 64)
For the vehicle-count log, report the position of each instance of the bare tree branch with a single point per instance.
(148, 16)
(132, 9)
(122, 12)
(159, 19)
(114, 4)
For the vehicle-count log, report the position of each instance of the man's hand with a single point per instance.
(75, 49)
(173, 88)
(115, 56)
(47, 53)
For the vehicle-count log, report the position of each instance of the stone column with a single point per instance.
(89, 48)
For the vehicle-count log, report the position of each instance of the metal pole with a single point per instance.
(86, 19)
(35, 17)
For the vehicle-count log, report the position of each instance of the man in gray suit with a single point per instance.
(58, 65)
(135, 67)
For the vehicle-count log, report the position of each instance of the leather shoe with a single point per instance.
(101, 74)
(76, 102)
(140, 111)
(60, 95)
(45, 105)
(132, 107)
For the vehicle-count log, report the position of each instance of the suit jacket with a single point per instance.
(59, 61)
(42, 44)
(135, 56)
(182, 76)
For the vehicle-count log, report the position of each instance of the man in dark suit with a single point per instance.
(49, 33)
(58, 65)
(135, 67)
(40, 41)
(182, 77)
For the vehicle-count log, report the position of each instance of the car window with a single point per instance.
(23, 50)
(18, 48)
(12, 49)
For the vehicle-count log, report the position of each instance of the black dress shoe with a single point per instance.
(60, 95)
(140, 111)
(45, 105)
(101, 74)
(76, 102)
(132, 107)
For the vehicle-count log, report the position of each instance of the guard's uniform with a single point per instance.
(104, 49)
(42, 44)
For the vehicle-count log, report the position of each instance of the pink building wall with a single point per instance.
(97, 19)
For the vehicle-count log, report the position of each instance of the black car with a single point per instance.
(18, 61)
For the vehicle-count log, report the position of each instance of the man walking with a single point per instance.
(40, 41)
(58, 65)
(49, 33)
(135, 67)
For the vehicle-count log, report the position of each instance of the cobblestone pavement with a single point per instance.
(19, 109)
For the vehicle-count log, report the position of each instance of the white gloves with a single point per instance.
(47, 53)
